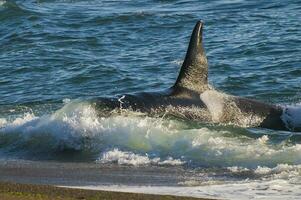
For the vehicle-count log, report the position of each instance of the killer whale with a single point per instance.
(191, 97)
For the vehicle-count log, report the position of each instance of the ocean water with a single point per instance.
(56, 54)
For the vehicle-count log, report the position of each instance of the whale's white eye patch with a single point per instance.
(291, 116)
(214, 102)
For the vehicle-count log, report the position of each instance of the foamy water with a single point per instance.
(276, 189)
(146, 140)
(229, 162)
(2, 3)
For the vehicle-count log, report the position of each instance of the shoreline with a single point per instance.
(18, 191)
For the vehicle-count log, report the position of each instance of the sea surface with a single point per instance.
(57, 54)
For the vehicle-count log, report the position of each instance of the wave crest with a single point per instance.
(137, 139)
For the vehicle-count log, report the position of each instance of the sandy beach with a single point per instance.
(15, 191)
(52, 180)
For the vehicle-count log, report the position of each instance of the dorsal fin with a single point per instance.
(194, 71)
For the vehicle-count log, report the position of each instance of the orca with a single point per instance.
(192, 98)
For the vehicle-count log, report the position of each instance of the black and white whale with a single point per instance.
(191, 97)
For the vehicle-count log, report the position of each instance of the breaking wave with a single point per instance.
(140, 140)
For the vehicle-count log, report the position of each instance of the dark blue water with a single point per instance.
(51, 50)
(53, 53)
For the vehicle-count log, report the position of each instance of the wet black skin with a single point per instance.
(190, 84)
(148, 102)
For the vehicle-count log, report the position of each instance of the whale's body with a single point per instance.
(191, 97)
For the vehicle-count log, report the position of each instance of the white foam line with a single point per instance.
(277, 189)
(2, 3)
(156, 190)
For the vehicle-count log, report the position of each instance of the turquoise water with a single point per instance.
(56, 54)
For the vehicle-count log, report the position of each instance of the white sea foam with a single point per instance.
(124, 158)
(138, 139)
(65, 101)
(178, 62)
(276, 189)
(263, 140)
(280, 171)
(129, 158)
(3, 122)
(2, 2)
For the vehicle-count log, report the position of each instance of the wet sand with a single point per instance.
(14, 191)
(89, 174)
(52, 180)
